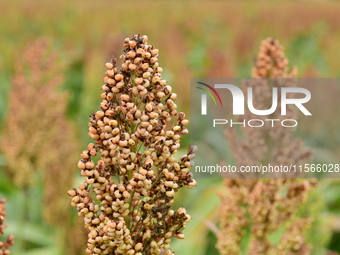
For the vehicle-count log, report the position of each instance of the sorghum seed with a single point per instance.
(163, 82)
(138, 80)
(131, 54)
(146, 75)
(109, 65)
(71, 193)
(173, 96)
(99, 114)
(110, 73)
(160, 94)
(132, 44)
(170, 193)
(110, 82)
(81, 164)
(119, 77)
(132, 67)
(146, 55)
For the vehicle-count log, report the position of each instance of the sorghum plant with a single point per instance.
(36, 135)
(265, 205)
(4, 246)
(127, 196)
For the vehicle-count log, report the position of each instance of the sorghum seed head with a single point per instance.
(130, 183)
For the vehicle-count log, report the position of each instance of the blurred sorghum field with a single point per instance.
(196, 39)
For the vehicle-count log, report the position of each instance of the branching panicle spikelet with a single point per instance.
(137, 176)
(4, 246)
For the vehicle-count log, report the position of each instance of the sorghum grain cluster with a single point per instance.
(271, 61)
(270, 203)
(127, 195)
(4, 246)
(37, 135)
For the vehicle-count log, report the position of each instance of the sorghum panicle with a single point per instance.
(264, 200)
(127, 196)
(271, 61)
(291, 242)
(37, 136)
(4, 246)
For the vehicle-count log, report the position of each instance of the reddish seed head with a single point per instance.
(135, 110)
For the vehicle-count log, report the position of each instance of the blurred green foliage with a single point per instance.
(186, 34)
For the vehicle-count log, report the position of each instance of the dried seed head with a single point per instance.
(252, 203)
(137, 104)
